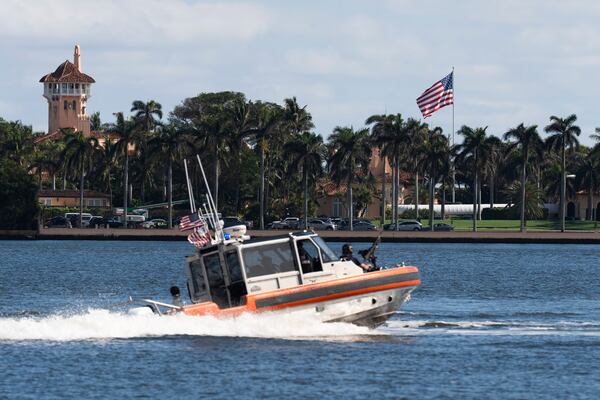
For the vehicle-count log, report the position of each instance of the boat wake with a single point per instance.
(491, 328)
(103, 324)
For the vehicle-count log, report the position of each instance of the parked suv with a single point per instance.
(320, 224)
(404, 226)
(288, 223)
(58, 222)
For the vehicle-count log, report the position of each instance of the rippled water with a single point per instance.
(500, 321)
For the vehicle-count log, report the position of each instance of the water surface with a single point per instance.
(500, 321)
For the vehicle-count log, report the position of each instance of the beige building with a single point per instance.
(70, 198)
(67, 90)
(334, 200)
(577, 208)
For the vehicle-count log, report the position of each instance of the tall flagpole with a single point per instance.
(453, 161)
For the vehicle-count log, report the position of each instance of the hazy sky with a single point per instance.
(515, 61)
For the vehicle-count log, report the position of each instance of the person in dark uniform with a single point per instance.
(348, 256)
(305, 258)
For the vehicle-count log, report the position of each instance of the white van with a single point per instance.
(85, 219)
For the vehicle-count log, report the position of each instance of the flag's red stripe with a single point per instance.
(433, 103)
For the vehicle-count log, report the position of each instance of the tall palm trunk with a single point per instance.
(125, 185)
(81, 175)
(417, 195)
(431, 187)
(443, 208)
(590, 213)
(216, 194)
(170, 192)
(395, 191)
(383, 178)
(305, 183)
(475, 190)
(563, 188)
(491, 190)
(53, 181)
(262, 188)
(350, 212)
(523, 179)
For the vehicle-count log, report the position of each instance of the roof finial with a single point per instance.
(77, 57)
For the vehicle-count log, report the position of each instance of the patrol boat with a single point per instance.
(297, 272)
(238, 276)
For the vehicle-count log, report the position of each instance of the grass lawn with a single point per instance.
(513, 225)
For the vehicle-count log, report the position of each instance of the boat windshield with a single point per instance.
(327, 254)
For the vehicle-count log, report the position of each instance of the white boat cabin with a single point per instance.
(227, 272)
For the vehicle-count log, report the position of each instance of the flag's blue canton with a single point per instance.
(448, 81)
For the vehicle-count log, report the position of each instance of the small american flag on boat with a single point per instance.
(191, 221)
(200, 237)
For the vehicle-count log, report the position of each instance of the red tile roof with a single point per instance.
(67, 72)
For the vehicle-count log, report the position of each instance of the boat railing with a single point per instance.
(157, 307)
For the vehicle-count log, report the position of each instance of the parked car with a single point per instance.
(114, 223)
(58, 222)
(74, 218)
(361, 226)
(320, 224)
(404, 226)
(154, 223)
(442, 226)
(233, 221)
(288, 223)
(97, 222)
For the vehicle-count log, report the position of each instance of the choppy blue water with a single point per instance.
(494, 321)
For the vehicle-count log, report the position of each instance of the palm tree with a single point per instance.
(168, 143)
(494, 160)
(471, 149)
(389, 134)
(146, 117)
(351, 153)
(239, 118)
(78, 154)
(588, 165)
(526, 139)
(433, 159)
(297, 119)
(565, 134)
(267, 117)
(124, 132)
(95, 122)
(307, 153)
(416, 131)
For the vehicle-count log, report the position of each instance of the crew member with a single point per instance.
(176, 296)
(347, 256)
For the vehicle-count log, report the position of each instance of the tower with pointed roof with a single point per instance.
(67, 90)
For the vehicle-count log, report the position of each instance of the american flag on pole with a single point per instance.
(200, 237)
(439, 95)
(191, 221)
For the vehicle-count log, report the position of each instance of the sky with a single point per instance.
(515, 61)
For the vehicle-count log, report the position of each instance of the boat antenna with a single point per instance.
(209, 216)
(189, 187)
(211, 203)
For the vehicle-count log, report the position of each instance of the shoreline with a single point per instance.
(570, 237)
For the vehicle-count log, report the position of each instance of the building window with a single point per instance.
(337, 207)
(65, 105)
(74, 105)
